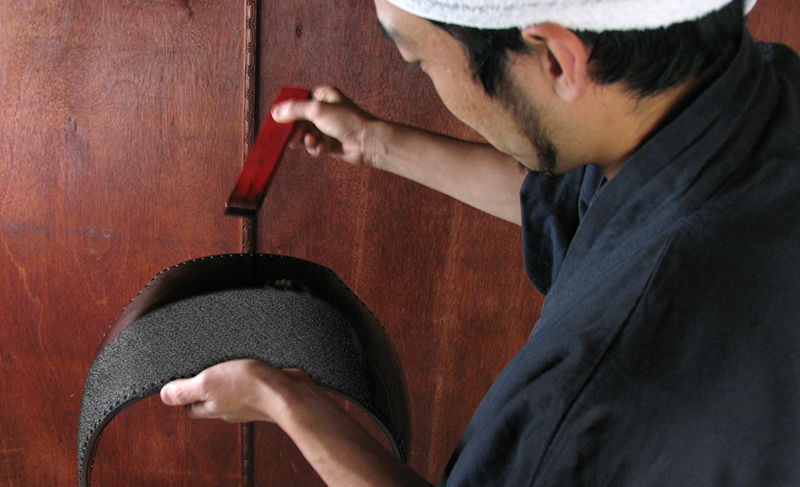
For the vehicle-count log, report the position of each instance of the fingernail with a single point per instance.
(279, 110)
(166, 395)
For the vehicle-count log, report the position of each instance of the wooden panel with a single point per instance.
(443, 278)
(121, 135)
(776, 21)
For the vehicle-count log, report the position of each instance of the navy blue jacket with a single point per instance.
(668, 350)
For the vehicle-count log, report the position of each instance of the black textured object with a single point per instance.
(206, 311)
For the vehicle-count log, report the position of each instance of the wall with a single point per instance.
(122, 128)
(121, 134)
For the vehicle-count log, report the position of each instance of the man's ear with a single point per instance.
(568, 57)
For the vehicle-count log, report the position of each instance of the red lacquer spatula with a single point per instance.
(253, 182)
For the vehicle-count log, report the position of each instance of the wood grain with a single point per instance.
(122, 128)
(121, 134)
(776, 21)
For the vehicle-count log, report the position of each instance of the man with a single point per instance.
(660, 215)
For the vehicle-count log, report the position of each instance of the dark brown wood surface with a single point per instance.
(776, 21)
(121, 132)
(121, 136)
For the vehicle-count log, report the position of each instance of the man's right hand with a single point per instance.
(330, 124)
(474, 173)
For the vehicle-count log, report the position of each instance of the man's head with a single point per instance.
(647, 61)
(548, 91)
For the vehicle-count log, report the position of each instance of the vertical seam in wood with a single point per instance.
(249, 225)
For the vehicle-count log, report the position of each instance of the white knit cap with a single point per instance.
(592, 15)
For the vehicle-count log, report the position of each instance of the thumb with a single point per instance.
(181, 392)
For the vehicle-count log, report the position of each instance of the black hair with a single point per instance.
(647, 61)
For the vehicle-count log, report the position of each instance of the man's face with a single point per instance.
(510, 122)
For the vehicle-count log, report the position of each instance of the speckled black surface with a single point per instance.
(284, 328)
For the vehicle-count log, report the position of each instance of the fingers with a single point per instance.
(328, 124)
(315, 111)
(231, 391)
(308, 115)
(328, 94)
(331, 113)
(294, 110)
(243, 391)
(194, 396)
